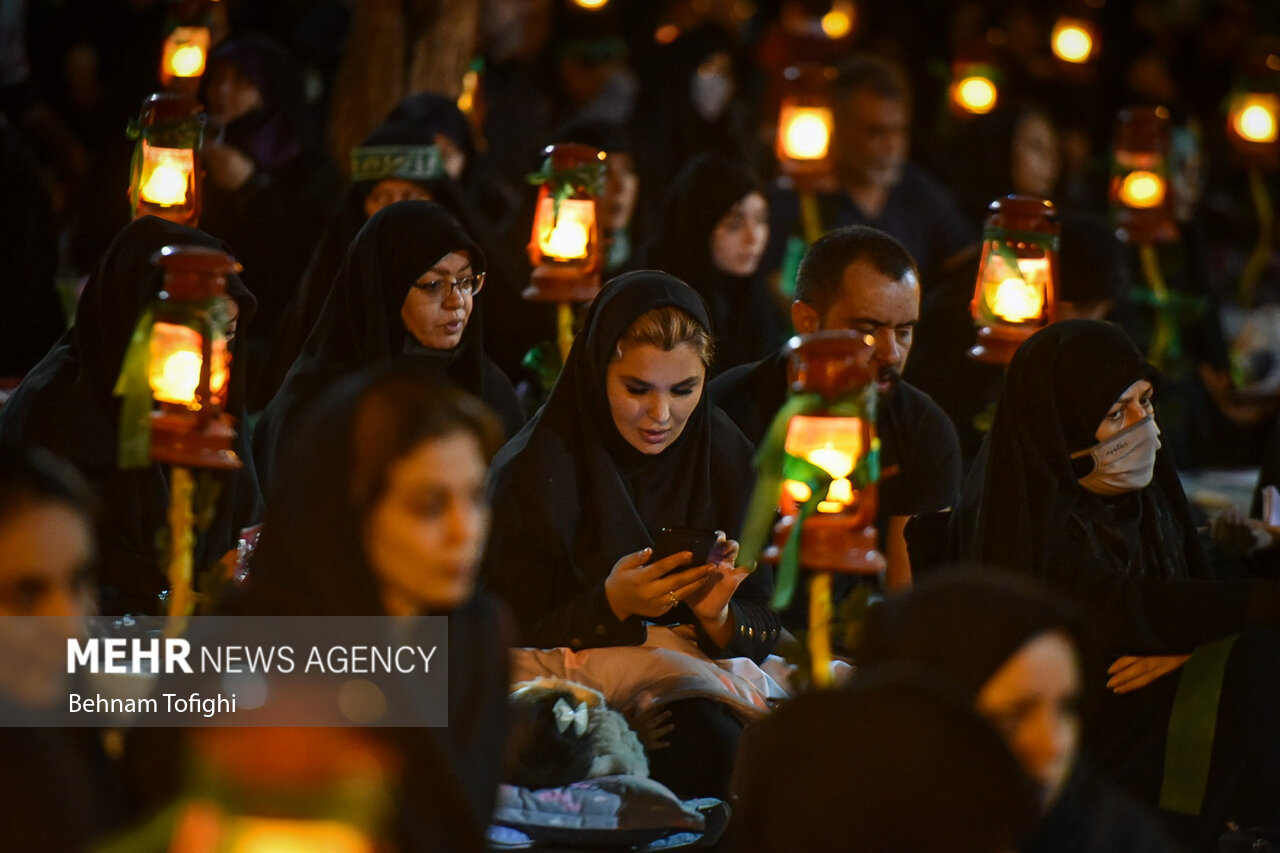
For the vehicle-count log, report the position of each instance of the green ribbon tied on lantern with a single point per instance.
(1000, 238)
(775, 466)
(587, 178)
(133, 385)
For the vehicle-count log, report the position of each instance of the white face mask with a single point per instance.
(710, 94)
(1125, 462)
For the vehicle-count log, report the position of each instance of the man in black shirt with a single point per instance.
(861, 279)
(874, 181)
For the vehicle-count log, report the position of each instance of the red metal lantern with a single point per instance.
(974, 88)
(1074, 40)
(1253, 110)
(1016, 291)
(1141, 202)
(166, 171)
(841, 535)
(805, 124)
(186, 51)
(565, 245)
(190, 361)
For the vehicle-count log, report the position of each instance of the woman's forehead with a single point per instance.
(1137, 389)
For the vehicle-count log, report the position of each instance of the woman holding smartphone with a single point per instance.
(626, 445)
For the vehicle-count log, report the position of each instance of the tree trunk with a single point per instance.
(397, 48)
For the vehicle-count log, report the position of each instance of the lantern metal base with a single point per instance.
(553, 285)
(997, 345)
(180, 439)
(830, 543)
(1144, 226)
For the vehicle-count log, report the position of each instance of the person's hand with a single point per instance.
(1237, 534)
(635, 588)
(229, 168)
(651, 723)
(1132, 672)
(710, 601)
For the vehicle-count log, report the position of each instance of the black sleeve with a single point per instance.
(1154, 615)
(553, 606)
(756, 625)
(500, 396)
(927, 458)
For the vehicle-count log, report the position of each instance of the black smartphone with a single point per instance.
(700, 543)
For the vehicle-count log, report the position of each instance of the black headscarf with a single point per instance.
(435, 113)
(668, 129)
(895, 762)
(743, 319)
(1060, 385)
(276, 132)
(965, 623)
(603, 497)
(66, 405)
(305, 306)
(312, 561)
(980, 168)
(360, 325)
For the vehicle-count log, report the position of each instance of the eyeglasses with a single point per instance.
(440, 289)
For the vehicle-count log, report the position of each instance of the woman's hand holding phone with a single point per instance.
(637, 588)
(710, 601)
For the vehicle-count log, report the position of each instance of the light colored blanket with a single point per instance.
(667, 668)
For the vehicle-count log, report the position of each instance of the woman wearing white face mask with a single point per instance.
(1077, 492)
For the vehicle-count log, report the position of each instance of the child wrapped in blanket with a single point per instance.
(564, 732)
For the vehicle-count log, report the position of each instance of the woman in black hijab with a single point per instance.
(714, 230)
(1078, 493)
(628, 444)
(894, 763)
(363, 198)
(1017, 655)
(350, 535)
(403, 277)
(694, 98)
(270, 186)
(67, 405)
(379, 513)
(1013, 149)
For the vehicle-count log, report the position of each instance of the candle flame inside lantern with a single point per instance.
(176, 360)
(1142, 189)
(166, 175)
(570, 237)
(185, 52)
(281, 835)
(1072, 42)
(806, 133)
(1017, 301)
(976, 94)
(1256, 122)
(188, 61)
(835, 462)
(837, 23)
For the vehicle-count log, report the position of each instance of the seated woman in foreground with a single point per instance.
(1017, 653)
(1078, 493)
(380, 513)
(626, 445)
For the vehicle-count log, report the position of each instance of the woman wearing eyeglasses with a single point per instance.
(406, 294)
